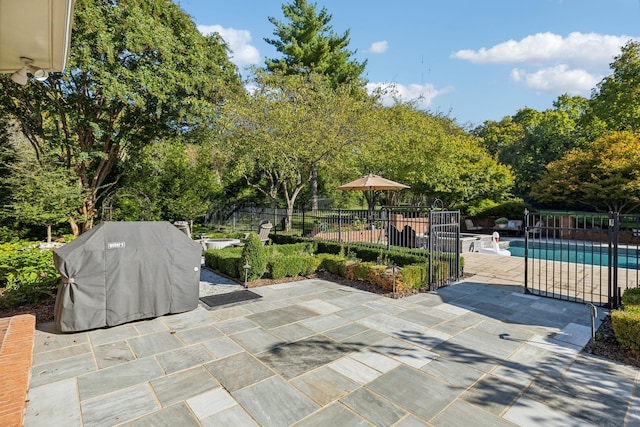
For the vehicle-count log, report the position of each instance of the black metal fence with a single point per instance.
(590, 258)
(433, 233)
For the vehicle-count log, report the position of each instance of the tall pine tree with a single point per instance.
(308, 43)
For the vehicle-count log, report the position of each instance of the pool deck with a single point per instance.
(313, 352)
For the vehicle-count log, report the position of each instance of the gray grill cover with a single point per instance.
(118, 272)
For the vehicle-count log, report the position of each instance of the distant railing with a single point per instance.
(388, 226)
(432, 233)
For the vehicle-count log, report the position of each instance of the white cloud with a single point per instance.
(379, 47)
(560, 78)
(421, 95)
(242, 52)
(577, 50)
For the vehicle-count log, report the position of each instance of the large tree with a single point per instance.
(616, 100)
(530, 139)
(309, 44)
(137, 71)
(605, 175)
(433, 155)
(287, 127)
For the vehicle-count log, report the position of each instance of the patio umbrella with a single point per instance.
(372, 185)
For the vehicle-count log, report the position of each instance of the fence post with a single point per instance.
(339, 225)
(302, 231)
(389, 215)
(431, 239)
(610, 284)
(617, 298)
(526, 251)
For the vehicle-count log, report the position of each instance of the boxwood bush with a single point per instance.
(227, 261)
(292, 265)
(631, 297)
(626, 327)
(254, 254)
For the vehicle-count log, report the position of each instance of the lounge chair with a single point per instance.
(264, 228)
(536, 230)
(514, 226)
(471, 226)
(408, 237)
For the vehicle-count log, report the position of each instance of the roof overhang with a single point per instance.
(35, 29)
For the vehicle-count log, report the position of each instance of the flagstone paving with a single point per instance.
(314, 352)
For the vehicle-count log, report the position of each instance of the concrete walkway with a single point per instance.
(315, 353)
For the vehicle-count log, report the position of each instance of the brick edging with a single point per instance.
(15, 368)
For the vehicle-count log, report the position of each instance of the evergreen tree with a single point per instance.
(308, 43)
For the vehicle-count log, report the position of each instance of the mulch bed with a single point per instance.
(43, 310)
(605, 345)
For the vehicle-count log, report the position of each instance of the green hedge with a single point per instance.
(626, 326)
(227, 261)
(295, 259)
(302, 248)
(292, 265)
(287, 239)
(626, 321)
(631, 297)
(415, 276)
(331, 263)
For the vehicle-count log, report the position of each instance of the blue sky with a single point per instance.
(474, 60)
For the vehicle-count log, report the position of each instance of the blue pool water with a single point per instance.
(582, 254)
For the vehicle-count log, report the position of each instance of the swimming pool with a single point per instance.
(576, 252)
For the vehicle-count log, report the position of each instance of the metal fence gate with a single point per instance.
(588, 258)
(444, 248)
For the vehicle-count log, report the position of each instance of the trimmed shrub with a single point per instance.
(626, 326)
(415, 276)
(287, 239)
(302, 248)
(361, 271)
(254, 254)
(386, 278)
(334, 264)
(370, 254)
(292, 265)
(227, 261)
(331, 248)
(630, 297)
(405, 258)
(211, 259)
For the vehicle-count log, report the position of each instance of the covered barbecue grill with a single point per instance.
(118, 272)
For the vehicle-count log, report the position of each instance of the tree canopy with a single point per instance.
(432, 155)
(616, 100)
(137, 71)
(605, 174)
(530, 139)
(288, 126)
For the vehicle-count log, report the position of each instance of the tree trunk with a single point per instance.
(74, 228)
(49, 233)
(314, 188)
(289, 216)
